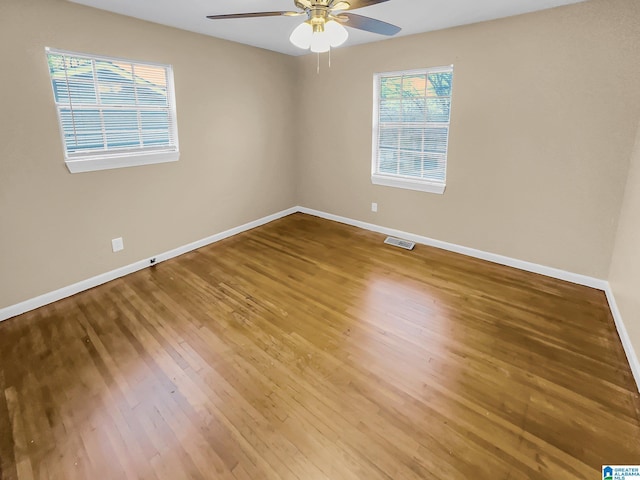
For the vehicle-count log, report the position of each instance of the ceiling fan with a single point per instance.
(326, 19)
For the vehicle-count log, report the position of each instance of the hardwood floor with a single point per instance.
(306, 349)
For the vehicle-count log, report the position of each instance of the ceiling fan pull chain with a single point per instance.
(318, 66)
(329, 58)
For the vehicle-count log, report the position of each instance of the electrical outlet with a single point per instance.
(117, 244)
(374, 207)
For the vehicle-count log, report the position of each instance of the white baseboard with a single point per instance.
(50, 297)
(632, 357)
(64, 292)
(471, 252)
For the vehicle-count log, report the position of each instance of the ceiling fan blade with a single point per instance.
(247, 15)
(303, 4)
(368, 24)
(339, 5)
(362, 3)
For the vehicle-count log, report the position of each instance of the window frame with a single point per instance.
(399, 181)
(111, 159)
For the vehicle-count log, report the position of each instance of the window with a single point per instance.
(113, 113)
(411, 128)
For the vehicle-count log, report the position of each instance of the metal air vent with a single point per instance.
(398, 242)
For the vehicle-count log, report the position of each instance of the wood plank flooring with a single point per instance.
(306, 349)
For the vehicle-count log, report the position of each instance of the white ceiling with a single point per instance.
(272, 33)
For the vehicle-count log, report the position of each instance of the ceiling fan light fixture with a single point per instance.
(301, 36)
(320, 42)
(326, 19)
(336, 32)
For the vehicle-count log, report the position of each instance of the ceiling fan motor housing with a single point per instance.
(318, 18)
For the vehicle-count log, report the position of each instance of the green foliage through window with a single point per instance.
(413, 113)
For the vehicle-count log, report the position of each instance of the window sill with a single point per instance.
(108, 162)
(408, 184)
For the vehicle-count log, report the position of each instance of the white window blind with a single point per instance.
(411, 128)
(113, 112)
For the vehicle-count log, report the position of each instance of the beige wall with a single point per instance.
(544, 116)
(545, 107)
(234, 112)
(624, 276)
